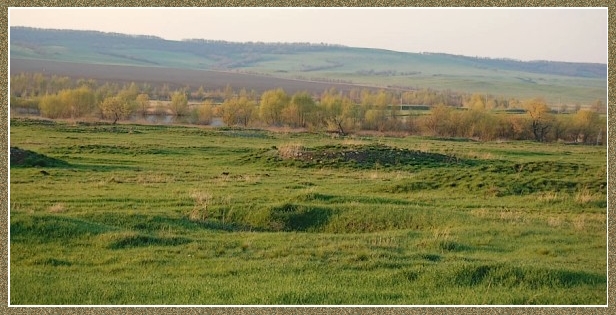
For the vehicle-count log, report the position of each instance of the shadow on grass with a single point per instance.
(296, 217)
(131, 240)
(336, 199)
(53, 228)
(532, 277)
(150, 224)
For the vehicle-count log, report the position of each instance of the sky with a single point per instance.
(554, 34)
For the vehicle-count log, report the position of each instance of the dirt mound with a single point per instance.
(363, 156)
(27, 158)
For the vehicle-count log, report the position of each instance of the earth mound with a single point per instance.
(361, 156)
(26, 158)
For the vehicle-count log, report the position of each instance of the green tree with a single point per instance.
(586, 125)
(116, 108)
(238, 111)
(437, 123)
(68, 103)
(301, 107)
(337, 111)
(205, 112)
(562, 129)
(143, 102)
(271, 106)
(179, 103)
(51, 106)
(375, 119)
(476, 101)
(382, 114)
(540, 118)
(130, 92)
(475, 123)
(106, 90)
(79, 102)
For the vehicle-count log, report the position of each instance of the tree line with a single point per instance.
(477, 116)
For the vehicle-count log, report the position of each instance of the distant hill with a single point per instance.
(121, 48)
(556, 81)
(574, 69)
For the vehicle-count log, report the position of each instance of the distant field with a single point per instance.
(265, 76)
(434, 71)
(175, 78)
(144, 214)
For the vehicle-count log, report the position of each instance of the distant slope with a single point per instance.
(556, 81)
(144, 50)
(574, 69)
(175, 78)
(31, 42)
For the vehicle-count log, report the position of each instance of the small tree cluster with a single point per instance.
(537, 123)
(69, 103)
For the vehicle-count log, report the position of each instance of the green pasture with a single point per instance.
(172, 215)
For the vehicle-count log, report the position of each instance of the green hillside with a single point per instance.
(557, 82)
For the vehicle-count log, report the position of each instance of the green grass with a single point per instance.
(181, 215)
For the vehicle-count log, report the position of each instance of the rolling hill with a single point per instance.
(557, 82)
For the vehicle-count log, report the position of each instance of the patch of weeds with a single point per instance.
(585, 196)
(410, 186)
(52, 228)
(526, 277)
(291, 217)
(312, 196)
(301, 298)
(410, 275)
(53, 262)
(57, 208)
(431, 257)
(200, 210)
(450, 246)
(130, 240)
(443, 241)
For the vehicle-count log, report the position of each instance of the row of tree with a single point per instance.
(331, 110)
(32, 85)
(537, 123)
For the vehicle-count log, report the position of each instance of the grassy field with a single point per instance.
(144, 214)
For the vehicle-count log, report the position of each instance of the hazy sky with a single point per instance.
(576, 35)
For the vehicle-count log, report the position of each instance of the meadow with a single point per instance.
(174, 215)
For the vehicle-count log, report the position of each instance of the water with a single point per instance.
(171, 119)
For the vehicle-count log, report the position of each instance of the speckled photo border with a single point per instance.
(4, 217)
